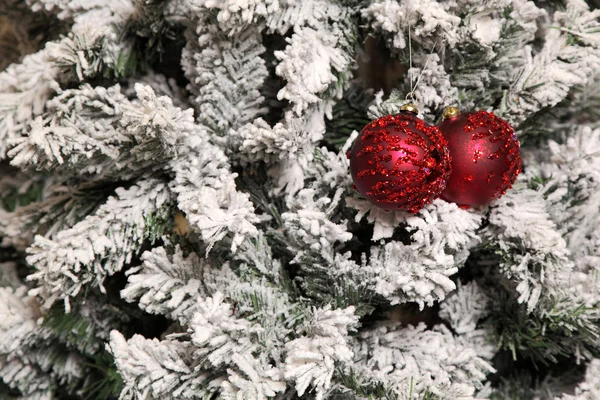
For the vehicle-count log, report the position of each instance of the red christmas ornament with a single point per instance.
(485, 157)
(399, 162)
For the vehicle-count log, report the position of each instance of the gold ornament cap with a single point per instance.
(410, 107)
(451, 112)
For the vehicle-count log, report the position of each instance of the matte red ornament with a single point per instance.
(485, 155)
(399, 162)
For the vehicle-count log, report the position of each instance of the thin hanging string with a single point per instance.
(412, 91)
(411, 94)
(425, 66)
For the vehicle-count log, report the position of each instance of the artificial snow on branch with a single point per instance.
(569, 57)
(169, 284)
(204, 173)
(102, 129)
(101, 244)
(311, 358)
(312, 63)
(433, 359)
(225, 74)
(534, 255)
(427, 19)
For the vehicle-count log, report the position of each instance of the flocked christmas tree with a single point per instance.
(177, 218)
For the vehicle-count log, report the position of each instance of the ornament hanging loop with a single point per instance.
(450, 112)
(411, 98)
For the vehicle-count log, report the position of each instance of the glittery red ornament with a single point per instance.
(485, 158)
(399, 162)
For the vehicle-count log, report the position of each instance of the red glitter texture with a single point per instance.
(399, 162)
(485, 158)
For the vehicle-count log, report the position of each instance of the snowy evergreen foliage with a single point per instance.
(177, 217)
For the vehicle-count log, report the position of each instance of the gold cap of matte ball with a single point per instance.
(410, 107)
(450, 112)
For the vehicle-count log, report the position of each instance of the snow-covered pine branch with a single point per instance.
(276, 15)
(427, 19)
(569, 180)
(172, 285)
(101, 244)
(309, 227)
(31, 359)
(432, 359)
(441, 235)
(465, 307)
(289, 139)
(169, 284)
(162, 369)
(314, 62)
(204, 173)
(311, 359)
(59, 208)
(216, 356)
(225, 74)
(401, 274)
(534, 256)
(570, 56)
(25, 87)
(464, 310)
(98, 130)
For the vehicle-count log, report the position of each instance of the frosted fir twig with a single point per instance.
(253, 382)
(308, 225)
(161, 85)
(289, 139)
(398, 355)
(170, 284)
(218, 334)
(204, 173)
(384, 223)
(311, 359)
(401, 274)
(277, 15)
(313, 62)
(455, 227)
(60, 208)
(101, 244)
(256, 258)
(441, 235)
(569, 181)
(426, 18)
(17, 329)
(67, 133)
(220, 347)
(30, 358)
(332, 170)
(25, 87)
(98, 130)
(444, 228)
(301, 137)
(463, 310)
(173, 285)
(163, 369)
(534, 255)
(547, 77)
(225, 74)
